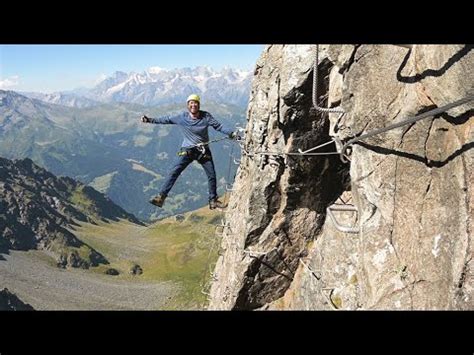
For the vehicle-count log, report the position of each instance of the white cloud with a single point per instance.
(10, 82)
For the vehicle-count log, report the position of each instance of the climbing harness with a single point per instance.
(200, 147)
(403, 123)
(195, 153)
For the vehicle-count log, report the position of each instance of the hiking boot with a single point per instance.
(213, 204)
(158, 200)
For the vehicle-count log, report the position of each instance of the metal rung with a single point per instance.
(344, 207)
(223, 226)
(339, 227)
(254, 252)
(258, 252)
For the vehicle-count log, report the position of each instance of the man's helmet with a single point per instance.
(193, 97)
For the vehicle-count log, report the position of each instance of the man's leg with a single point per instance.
(179, 166)
(208, 165)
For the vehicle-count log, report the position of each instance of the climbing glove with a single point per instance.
(235, 135)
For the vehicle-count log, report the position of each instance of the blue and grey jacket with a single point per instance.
(195, 131)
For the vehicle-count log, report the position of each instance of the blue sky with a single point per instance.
(48, 68)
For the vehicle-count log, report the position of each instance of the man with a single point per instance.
(194, 126)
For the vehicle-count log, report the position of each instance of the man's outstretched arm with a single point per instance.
(160, 120)
(219, 126)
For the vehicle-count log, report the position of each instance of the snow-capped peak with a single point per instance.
(156, 70)
(158, 85)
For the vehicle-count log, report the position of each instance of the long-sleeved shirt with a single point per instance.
(195, 131)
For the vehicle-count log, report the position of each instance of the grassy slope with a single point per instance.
(168, 250)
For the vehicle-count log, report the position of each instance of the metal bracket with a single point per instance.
(223, 226)
(339, 227)
(260, 253)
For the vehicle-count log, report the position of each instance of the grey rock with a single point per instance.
(112, 271)
(10, 302)
(136, 270)
(412, 186)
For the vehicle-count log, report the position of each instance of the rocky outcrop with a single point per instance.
(38, 211)
(411, 187)
(10, 302)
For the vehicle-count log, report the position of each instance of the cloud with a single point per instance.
(10, 82)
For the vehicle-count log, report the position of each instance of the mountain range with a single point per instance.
(157, 86)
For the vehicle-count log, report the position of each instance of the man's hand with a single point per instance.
(146, 119)
(235, 135)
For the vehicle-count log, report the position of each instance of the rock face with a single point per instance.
(37, 210)
(410, 188)
(10, 302)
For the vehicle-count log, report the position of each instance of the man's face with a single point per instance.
(193, 106)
